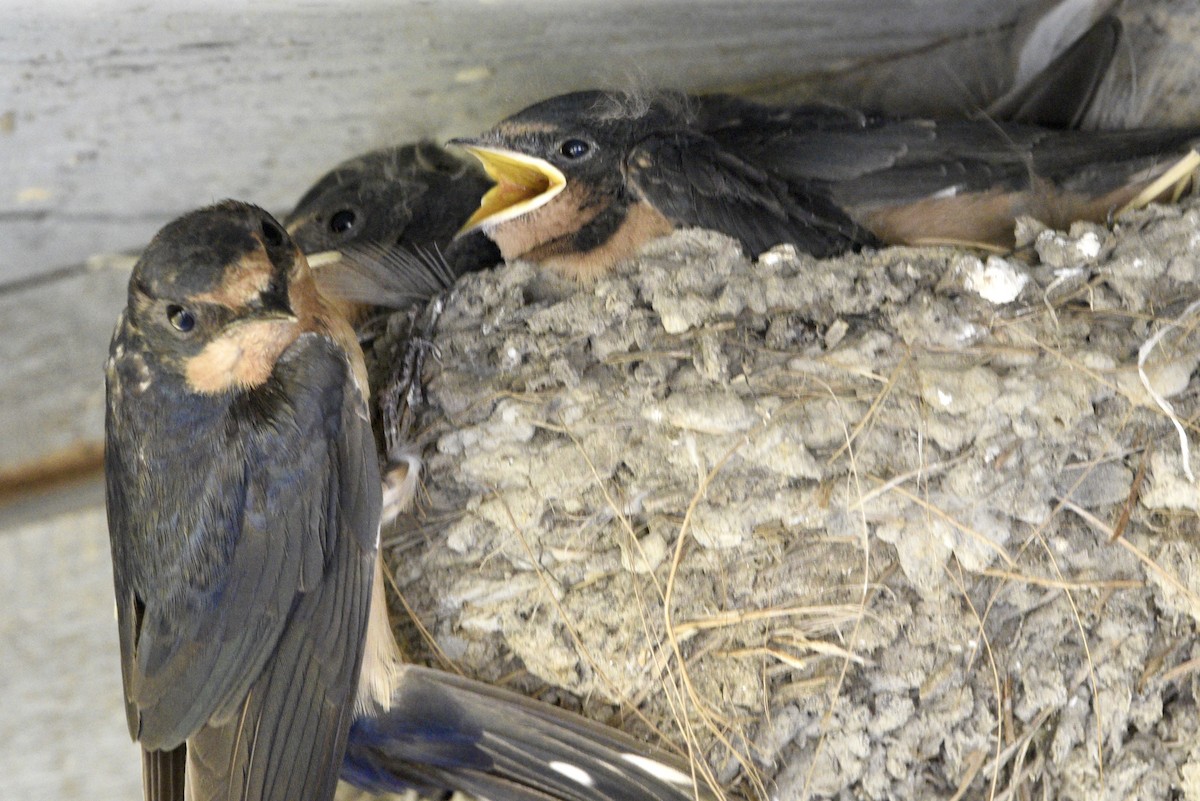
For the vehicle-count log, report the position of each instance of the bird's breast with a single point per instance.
(590, 257)
(241, 357)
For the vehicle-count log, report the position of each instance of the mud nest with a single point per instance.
(904, 524)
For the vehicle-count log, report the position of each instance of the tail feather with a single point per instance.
(1060, 94)
(163, 774)
(445, 732)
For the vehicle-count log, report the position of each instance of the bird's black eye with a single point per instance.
(574, 148)
(181, 319)
(342, 221)
(271, 234)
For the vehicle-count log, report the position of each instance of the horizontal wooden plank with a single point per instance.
(53, 342)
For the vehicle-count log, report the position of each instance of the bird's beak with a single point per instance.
(272, 306)
(273, 315)
(523, 183)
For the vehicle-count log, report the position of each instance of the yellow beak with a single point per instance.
(523, 183)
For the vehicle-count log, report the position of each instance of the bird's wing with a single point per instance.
(694, 181)
(862, 159)
(869, 161)
(843, 150)
(256, 629)
(446, 732)
(1060, 94)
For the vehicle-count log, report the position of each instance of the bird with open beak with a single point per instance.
(582, 180)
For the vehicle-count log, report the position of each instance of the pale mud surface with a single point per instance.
(846, 526)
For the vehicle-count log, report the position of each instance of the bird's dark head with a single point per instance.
(558, 163)
(374, 197)
(214, 297)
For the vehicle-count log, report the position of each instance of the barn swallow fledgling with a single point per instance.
(395, 213)
(243, 500)
(243, 497)
(584, 179)
(380, 233)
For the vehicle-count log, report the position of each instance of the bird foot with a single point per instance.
(404, 392)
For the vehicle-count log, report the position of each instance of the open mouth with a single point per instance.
(523, 183)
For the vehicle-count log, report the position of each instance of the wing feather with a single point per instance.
(242, 621)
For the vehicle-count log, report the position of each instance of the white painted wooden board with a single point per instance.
(53, 342)
(62, 728)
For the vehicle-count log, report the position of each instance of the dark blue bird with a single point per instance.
(243, 494)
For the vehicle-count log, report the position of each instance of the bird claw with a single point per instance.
(371, 330)
(404, 393)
